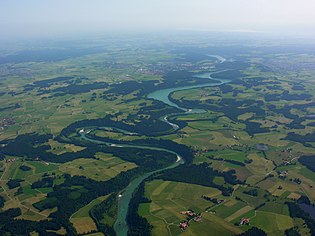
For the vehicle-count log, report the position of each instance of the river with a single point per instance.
(121, 226)
(163, 94)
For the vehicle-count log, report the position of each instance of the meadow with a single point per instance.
(252, 134)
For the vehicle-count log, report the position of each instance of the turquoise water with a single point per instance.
(163, 94)
(120, 226)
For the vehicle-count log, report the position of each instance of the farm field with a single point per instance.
(104, 168)
(170, 198)
(123, 136)
(81, 219)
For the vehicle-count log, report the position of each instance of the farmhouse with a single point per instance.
(244, 221)
(188, 213)
(197, 219)
(183, 225)
(283, 173)
(10, 160)
(191, 215)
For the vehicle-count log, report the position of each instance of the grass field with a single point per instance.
(60, 148)
(212, 225)
(28, 195)
(84, 211)
(101, 169)
(227, 154)
(95, 234)
(222, 137)
(41, 167)
(81, 219)
(170, 198)
(83, 225)
(238, 213)
(272, 223)
(229, 208)
(260, 167)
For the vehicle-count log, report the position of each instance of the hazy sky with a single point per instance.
(48, 17)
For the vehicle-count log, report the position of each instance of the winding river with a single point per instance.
(120, 226)
(163, 95)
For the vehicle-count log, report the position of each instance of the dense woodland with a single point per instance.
(108, 207)
(137, 224)
(308, 161)
(78, 191)
(201, 174)
(69, 201)
(296, 211)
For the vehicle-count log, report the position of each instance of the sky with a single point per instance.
(23, 18)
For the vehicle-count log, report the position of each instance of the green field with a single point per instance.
(170, 198)
(104, 168)
(249, 131)
(81, 219)
(226, 154)
(272, 223)
(84, 211)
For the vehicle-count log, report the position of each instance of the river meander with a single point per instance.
(121, 226)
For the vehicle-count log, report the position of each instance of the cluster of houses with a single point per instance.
(290, 162)
(161, 68)
(200, 151)
(236, 138)
(191, 215)
(150, 71)
(6, 121)
(10, 160)
(236, 145)
(289, 156)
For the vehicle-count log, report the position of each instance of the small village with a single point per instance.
(196, 217)
(12, 160)
(5, 122)
(191, 215)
